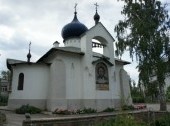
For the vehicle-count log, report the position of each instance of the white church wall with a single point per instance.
(97, 32)
(73, 73)
(98, 98)
(66, 85)
(126, 88)
(86, 68)
(36, 78)
(118, 92)
(72, 42)
(57, 84)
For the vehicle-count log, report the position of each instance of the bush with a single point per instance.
(63, 112)
(86, 111)
(109, 110)
(121, 120)
(128, 107)
(138, 99)
(2, 118)
(28, 109)
(164, 121)
(79, 111)
(3, 100)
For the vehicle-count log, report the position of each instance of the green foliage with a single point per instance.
(138, 99)
(2, 118)
(144, 33)
(79, 111)
(168, 93)
(152, 91)
(137, 94)
(164, 121)
(5, 75)
(109, 110)
(28, 109)
(121, 120)
(3, 100)
(63, 112)
(127, 107)
(86, 111)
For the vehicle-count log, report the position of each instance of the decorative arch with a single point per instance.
(102, 76)
(98, 44)
(21, 81)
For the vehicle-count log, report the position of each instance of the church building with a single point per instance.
(74, 76)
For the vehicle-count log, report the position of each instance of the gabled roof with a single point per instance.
(10, 62)
(72, 50)
(99, 23)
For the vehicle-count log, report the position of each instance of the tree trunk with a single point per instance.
(163, 106)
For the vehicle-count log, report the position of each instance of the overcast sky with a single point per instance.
(41, 22)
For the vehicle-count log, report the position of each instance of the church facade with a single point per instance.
(74, 76)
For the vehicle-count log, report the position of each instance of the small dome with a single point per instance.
(96, 17)
(73, 29)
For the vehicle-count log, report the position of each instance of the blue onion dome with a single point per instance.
(73, 29)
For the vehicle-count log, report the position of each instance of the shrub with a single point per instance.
(2, 118)
(138, 99)
(128, 107)
(28, 109)
(63, 112)
(3, 100)
(121, 120)
(109, 110)
(164, 121)
(86, 111)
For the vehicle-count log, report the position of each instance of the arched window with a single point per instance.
(102, 78)
(99, 44)
(21, 81)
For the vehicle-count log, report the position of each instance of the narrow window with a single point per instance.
(21, 81)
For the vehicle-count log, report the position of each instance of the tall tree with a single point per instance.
(144, 33)
(5, 75)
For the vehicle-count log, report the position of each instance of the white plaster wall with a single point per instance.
(99, 31)
(36, 79)
(118, 86)
(65, 76)
(73, 42)
(89, 85)
(74, 77)
(126, 88)
(57, 84)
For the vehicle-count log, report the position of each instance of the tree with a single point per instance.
(5, 75)
(144, 33)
